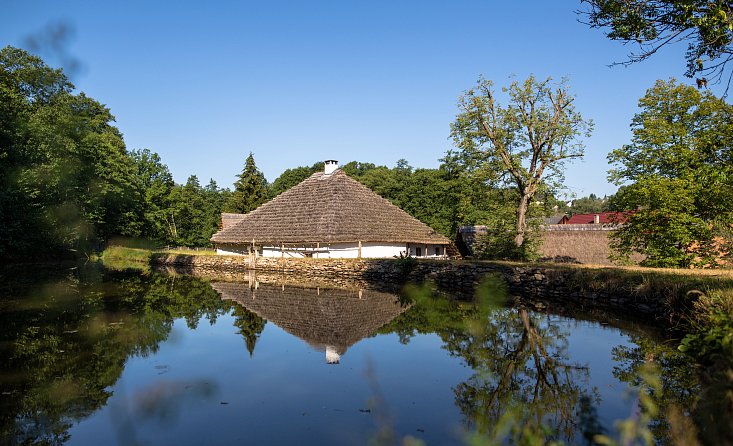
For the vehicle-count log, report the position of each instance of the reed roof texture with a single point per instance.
(328, 209)
(321, 317)
(228, 219)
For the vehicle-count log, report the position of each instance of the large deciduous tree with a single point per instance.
(523, 145)
(705, 25)
(679, 170)
(154, 184)
(250, 190)
(66, 179)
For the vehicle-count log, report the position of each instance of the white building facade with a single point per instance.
(364, 250)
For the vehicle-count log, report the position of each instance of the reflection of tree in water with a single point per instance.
(679, 381)
(521, 366)
(64, 343)
(250, 326)
(523, 382)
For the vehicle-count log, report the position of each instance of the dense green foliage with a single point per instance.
(521, 146)
(250, 190)
(196, 212)
(706, 26)
(67, 183)
(292, 177)
(679, 166)
(590, 204)
(154, 186)
(67, 180)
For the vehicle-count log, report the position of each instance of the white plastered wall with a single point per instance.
(428, 251)
(338, 251)
(369, 250)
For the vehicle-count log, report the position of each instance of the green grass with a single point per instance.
(120, 258)
(126, 254)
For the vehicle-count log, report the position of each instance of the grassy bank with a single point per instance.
(120, 258)
(700, 302)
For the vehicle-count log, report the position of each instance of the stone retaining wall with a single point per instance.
(584, 290)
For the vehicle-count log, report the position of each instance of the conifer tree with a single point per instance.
(250, 190)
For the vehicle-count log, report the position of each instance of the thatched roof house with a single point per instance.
(328, 215)
(331, 320)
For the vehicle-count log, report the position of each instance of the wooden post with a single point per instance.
(318, 248)
(359, 255)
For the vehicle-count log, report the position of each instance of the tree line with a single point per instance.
(68, 184)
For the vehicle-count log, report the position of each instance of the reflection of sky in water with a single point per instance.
(286, 392)
(591, 343)
(201, 386)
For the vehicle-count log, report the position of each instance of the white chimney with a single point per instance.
(331, 166)
(596, 219)
(332, 356)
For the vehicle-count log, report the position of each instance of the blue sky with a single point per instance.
(205, 83)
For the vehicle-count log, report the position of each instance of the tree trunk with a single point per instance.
(521, 220)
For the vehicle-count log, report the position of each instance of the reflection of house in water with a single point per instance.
(328, 319)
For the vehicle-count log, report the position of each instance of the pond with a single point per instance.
(99, 357)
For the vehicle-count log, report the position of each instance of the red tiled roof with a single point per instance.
(603, 217)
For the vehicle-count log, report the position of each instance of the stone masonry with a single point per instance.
(540, 285)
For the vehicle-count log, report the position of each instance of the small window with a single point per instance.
(418, 251)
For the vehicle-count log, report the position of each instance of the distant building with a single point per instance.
(557, 219)
(582, 238)
(467, 237)
(328, 215)
(604, 218)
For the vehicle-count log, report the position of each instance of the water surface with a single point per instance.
(94, 357)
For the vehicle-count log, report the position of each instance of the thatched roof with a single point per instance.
(328, 209)
(321, 317)
(228, 219)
